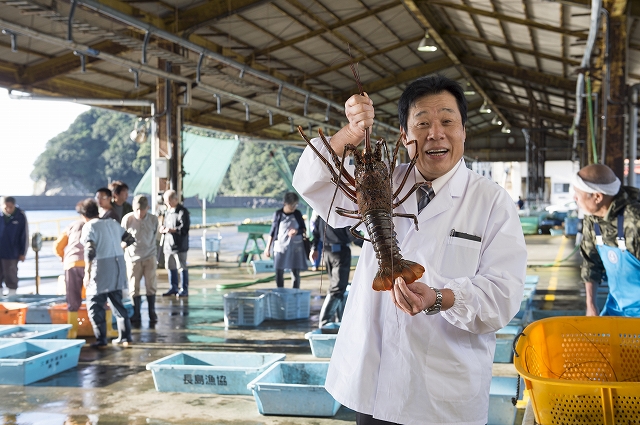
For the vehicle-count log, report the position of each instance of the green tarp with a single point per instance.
(206, 160)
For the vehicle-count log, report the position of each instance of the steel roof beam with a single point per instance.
(209, 12)
(502, 17)
(519, 73)
(425, 17)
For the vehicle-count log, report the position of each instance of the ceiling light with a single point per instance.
(506, 130)
(427, 44)
(485, 109)
(496, 120)
(469, 91)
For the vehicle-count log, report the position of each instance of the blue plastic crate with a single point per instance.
(210, 372)
(34, 331)
(244, 308)
(504, 343)
(287, 303)
(532, 279)
(263, 266)
(24, 362)
(323, 340)
(501, 409)
(527, 300)
(38, 306)
(295, 389)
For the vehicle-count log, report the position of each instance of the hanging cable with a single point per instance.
(590, 118)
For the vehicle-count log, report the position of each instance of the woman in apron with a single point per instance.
(286, 241)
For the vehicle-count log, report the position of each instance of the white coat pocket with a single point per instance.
(460, 257)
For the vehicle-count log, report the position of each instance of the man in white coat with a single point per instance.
(423, 353)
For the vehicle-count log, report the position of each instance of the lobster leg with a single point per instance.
(395, 155)
(347, 213)
(336, 159)
(413, 189)
(412, 164)
(337, 178)
(411, 216)
(356, 234)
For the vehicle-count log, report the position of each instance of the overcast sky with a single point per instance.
(25, 128)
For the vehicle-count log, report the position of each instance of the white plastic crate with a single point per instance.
(294, 388)
(210, 372)
(263, 266)
(287, 303)
(323, 340)
(244, 308)
(42, 331)
(29, 361)
(504, 343)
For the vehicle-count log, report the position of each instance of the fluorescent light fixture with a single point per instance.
(469, 91)
(427, 44)
(506, 130)
(496, 120)
(485, 109)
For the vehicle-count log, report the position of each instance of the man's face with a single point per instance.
(435, 122)
(586, 201)
(171, 202)
(122, 197)
(9, 208)
(140, 213)
(103, 200)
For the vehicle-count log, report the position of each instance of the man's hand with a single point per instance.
(413, 298)
(314, 255)
(360, 113)
(21, 258)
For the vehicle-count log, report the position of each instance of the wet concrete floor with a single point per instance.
(114, 387)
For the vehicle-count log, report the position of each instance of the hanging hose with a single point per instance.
(590, 119)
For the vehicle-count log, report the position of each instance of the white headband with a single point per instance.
(606, 189)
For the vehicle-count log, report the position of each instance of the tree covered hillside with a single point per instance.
(96, 149)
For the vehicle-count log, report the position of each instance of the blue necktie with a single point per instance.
(425, 194)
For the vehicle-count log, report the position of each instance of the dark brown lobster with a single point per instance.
(372, 189)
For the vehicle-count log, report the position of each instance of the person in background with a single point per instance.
(14, 235)
(103, 198)
(106, 274)
(120, 194)
(69, 248)
(610, 241)
(285, 237)
(337, 260)
(316, 245)
(520, 203)
(142, 256)
(176, 243)
(422, 353)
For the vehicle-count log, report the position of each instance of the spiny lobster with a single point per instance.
(371, 188)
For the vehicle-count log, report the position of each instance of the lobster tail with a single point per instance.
(408, 270)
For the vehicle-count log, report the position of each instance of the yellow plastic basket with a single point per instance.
(582, 370)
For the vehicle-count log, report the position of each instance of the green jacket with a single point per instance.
(627, 199)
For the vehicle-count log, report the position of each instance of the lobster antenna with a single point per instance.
(356, 75)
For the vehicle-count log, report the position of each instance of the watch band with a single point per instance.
(435, 308)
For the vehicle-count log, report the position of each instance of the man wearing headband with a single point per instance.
(611, 240)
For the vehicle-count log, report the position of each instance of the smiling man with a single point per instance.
(423, 353)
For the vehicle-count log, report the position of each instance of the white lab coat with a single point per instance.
(426, 369)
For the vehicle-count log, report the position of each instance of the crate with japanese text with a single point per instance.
(210, 372)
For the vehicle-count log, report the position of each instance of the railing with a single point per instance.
(46, 227)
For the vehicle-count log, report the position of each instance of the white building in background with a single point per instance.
(512, 176)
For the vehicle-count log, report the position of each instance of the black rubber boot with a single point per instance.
(137, 303)
(151, 302)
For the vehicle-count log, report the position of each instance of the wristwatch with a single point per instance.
(435, 308)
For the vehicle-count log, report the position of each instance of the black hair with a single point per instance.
(117, 186)
(105, 190)
(291, 198)
(425, 86)
(9, 200)
(88, 208)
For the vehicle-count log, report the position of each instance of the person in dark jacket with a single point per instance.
(286, 239)
(120, 194)
(14, 233)
(103, 199)
(337, 260)
(176, 243)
